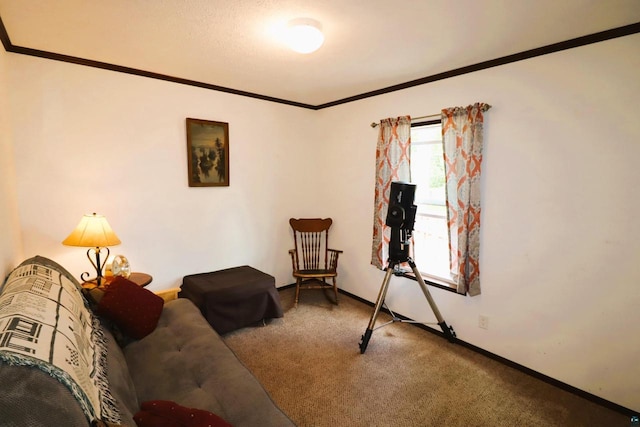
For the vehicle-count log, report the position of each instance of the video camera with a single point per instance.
(401, 217)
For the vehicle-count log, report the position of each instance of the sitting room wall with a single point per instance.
(10, 247)
(91, 140)
(559, 239)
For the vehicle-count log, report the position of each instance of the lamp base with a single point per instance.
(99, 279)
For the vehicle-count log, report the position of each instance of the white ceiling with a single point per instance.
(369, 45)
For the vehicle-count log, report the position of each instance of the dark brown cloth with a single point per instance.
(233, 298)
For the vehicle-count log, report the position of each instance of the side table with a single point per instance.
(140, 279)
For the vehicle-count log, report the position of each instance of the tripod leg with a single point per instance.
(372, 322)
(448, 331)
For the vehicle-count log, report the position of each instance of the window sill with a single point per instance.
(433, 282)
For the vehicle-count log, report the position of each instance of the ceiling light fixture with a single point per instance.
(304, 35)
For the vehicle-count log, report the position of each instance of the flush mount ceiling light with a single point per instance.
(304, 35)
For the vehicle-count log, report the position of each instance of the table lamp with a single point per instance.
(94, 232)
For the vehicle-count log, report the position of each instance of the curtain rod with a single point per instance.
(431, 116)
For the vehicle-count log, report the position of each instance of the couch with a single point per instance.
(181, 361)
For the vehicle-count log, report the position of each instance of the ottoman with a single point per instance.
(233, 298)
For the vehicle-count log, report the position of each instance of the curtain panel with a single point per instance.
(462, 137)
(392, 164)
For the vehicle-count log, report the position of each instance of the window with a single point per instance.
(430, 237)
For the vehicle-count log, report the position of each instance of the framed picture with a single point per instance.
(208, 153)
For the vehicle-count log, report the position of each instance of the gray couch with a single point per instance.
(183, 360)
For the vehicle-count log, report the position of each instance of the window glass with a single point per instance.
(430, 237)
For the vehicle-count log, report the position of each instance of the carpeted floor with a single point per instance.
(311, 365)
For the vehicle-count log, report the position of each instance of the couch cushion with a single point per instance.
(184, 360)
(132, 308)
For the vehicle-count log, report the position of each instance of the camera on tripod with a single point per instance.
(401, 217)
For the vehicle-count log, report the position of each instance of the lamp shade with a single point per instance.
(93, 231)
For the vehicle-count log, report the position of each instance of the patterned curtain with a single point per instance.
(392, 164)
(462, 138)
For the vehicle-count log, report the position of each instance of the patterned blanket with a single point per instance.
(45, 323)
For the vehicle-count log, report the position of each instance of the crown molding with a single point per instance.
(521, 56)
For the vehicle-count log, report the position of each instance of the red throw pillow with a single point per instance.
(164, 413)
(134, 309)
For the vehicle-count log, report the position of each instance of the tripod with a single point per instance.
(398, 255)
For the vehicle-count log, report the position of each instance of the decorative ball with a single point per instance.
(120, 266)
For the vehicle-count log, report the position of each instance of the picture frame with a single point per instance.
(208, 153)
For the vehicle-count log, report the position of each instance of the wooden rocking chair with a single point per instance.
(312, 260)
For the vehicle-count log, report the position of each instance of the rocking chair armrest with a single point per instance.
(333, 256)
(294, 255)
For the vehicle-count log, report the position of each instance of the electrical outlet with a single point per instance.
(483, 322)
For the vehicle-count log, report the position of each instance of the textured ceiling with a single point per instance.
(369, 45)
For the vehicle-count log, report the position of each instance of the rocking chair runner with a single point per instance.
(312, 260)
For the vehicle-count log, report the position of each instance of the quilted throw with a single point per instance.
(44, 323)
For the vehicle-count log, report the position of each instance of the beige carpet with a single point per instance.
(311, 365)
